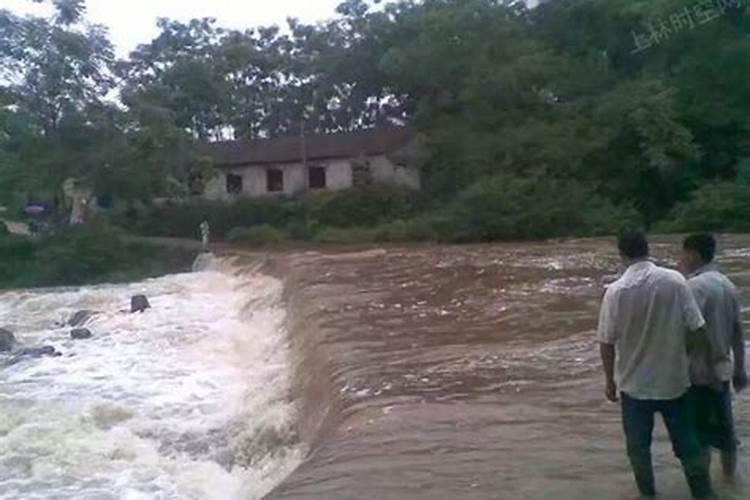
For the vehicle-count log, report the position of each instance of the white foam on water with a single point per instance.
(186, 401)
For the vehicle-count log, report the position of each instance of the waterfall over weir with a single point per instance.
(189, 400)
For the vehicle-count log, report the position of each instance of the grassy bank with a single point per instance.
(83, 255)
(499, 208)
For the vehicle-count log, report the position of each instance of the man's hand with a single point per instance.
(608, 361)
(611, 392)
(740, 381)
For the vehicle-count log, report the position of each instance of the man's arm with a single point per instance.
(607, 352)
(607, 334)
(738, 348)
(698, 344)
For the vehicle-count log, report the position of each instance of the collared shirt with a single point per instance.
(717, 299)
(647, 314)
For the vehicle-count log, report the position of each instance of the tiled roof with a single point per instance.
(369, 142)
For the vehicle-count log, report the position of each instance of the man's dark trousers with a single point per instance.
(638, 422)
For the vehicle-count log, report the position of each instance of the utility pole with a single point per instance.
(303, 147)
(306, 111)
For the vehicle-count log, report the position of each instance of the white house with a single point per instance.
(293, 165)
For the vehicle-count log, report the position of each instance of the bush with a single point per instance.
(495, 208)
(16, 254)
(79, 254)
(720, 207)
(256, 235)
(514, 208)
(343, 209)
(13, 246)
(343, 236)
(300, 231)
(183, 220)
(367, 206)
(400, 231)
(82, 254)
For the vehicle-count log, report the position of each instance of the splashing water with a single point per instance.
(186, 401)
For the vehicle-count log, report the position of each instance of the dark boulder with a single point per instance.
(139, 303)
(32, 353)
(7, 340)
(80, 318)
(37, 352)
(80, 334)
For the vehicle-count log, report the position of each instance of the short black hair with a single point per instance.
(704, 244)
(633, 244)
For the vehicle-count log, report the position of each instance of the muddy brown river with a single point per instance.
(467, 373)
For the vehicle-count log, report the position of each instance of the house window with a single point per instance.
(317, 177)
(361, 172)
(274, 180)
(195, 184)
(234, 184)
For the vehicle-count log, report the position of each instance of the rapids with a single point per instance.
(189, 400)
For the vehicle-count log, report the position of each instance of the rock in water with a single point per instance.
(80, 334)
(139, 303)
(80, 318)
(37, 352)
(7, 340)
(33, 353)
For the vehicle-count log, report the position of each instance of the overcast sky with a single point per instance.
(132, 22)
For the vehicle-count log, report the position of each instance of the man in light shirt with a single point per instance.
(711, 395)
(644, 326)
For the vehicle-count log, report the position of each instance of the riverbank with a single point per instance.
(85, 255)
(465, 372)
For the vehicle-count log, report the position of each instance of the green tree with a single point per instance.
(56, 77)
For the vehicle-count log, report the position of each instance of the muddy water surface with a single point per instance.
(470, 373)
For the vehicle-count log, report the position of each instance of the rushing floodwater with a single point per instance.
(187, 401)
(458, 373)
(473, 373)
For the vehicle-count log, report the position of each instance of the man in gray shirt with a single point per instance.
(711, 396)
(643, 334)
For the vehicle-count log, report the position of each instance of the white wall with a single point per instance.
(338, 174)
(254, 182)
(338, 177)
(384, 171)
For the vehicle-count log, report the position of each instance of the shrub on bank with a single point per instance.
(16, 254)
(496, 208)
(344, 236)
(719, 207)
(401, 231)
(183, 220)
(81, 255)
(256, 235)
(368, 206)
(513, 208)
(15, 247)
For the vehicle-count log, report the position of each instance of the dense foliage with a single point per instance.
(299, 219)
(566, 119)
(82, 255)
